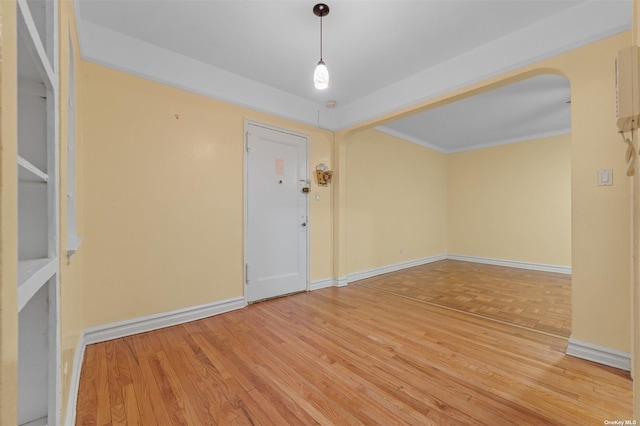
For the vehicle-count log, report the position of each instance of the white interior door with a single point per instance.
(276, 245)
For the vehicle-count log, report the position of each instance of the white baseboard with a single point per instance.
(139, 325)
(343, 281)
(327, 282)
(599, 354)
(512, 264)
(318, 284)
(391, 268)
(116, 330)
(72, 397)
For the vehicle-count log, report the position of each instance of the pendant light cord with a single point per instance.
(321, 37)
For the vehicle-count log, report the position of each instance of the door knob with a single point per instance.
(304, 223)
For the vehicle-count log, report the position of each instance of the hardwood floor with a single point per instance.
(351, 355)
(532, 299)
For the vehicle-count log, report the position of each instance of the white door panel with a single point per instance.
(276, 240)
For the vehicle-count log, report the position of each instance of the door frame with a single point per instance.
(245, 197)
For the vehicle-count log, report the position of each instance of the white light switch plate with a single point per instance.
(605, 177)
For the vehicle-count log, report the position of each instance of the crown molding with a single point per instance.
(580, 25)
(110, 48)
(412, 139)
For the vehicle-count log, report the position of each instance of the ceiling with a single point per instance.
(381, 55)
(532, 108)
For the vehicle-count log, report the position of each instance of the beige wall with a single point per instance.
(396, 201)
(600, 215)
(163, 197)
(8, 216)
(406, 202)
(512, 202)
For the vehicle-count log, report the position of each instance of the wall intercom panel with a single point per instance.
(627, 90)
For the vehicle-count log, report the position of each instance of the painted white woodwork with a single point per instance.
(360, 275)
(30, 85)
(33, 221)
(533, 266)
(72, 399)
(32, 275)
(38, 214)
(33, 358)
(318, 284)
(73, 240)
(29, 35)
(599, 354)
(128, 327)
(38, 422)
(126, 53)
(38, 9)
(32, 128)
(276, 251)
(31, 172)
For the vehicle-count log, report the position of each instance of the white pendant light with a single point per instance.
(321, 74)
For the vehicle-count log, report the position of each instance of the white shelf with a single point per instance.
(32, 275)
(32, 172)
(28, 85)
(29, 32)
(39, 422)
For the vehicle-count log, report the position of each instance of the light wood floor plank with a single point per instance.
(227, 399)
(361, 354)
(145, 385)
(532, 299)
(321, 395)
(410, 371)
(118, 414)
(88, 388)
(103, 401)
(133, 410)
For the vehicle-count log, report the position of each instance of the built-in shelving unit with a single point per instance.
(38, 210)
(32, 173)
(32, 275)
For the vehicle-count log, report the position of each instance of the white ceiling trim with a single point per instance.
(577, 26)
(116, 50)
(512, 140)
(412, 139)
(437, 148)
